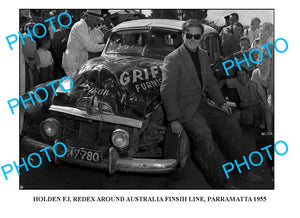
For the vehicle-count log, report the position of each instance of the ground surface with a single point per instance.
(65, 176)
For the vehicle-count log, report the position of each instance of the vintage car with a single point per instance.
(113, 117)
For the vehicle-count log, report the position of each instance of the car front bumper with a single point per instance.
(112, 164)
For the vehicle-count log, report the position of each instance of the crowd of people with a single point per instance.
(254, 83)
(184, 94)
(60, 52)
(188, 85)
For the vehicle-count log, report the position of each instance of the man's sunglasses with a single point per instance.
(189, 36)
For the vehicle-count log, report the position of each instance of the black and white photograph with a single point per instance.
(149, 109)
(142, 99)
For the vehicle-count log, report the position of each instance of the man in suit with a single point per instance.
(186, 80)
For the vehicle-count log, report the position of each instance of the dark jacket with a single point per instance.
(230, 46)
(181, 90)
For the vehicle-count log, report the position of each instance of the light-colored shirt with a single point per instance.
(257, 44)
(261, 76)
(264, 71)
(45, 57)
(251, 34)
(96, 35)
(80, 42)
(251, 92)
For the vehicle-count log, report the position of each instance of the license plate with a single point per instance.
(84, 154)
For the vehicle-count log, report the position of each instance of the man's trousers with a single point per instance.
(206, 124)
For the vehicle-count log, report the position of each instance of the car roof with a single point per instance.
(164, 23)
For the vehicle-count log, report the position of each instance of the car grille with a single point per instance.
(92, 134)
(89, 134)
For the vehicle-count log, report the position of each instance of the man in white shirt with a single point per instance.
(98, 37)
(253, 31)
(80, 42)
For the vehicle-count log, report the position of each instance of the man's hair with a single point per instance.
(235, 15)
(192, 23)
(268, 26)
(255, 19)
(238, 24)
(245, 38)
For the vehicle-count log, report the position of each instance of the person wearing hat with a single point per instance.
(97, 36)
(80, 42)
(226, 32)
(232, 43)
(253, 31)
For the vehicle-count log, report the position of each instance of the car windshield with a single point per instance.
(155, 43)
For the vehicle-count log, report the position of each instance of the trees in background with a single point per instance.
(179, 14)
(164, 14)
(183, 14)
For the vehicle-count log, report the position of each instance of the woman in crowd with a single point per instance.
(253, 31)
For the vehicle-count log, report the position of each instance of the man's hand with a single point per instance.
(226, 108)
(176, 127)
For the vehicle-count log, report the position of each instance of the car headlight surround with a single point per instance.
(50, 129)
(120, 138)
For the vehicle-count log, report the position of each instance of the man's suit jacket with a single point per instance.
(181, 90)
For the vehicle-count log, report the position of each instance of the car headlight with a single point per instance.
(50, 129)
(120, 138)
